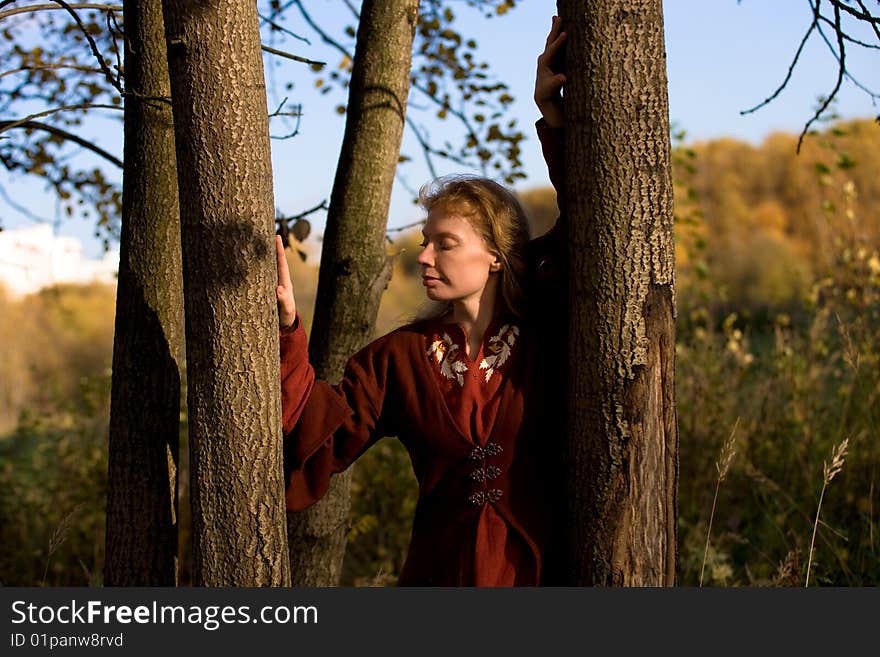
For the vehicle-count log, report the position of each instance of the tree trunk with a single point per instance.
(141, 543)
(622, 435)
(354, 267)
(227, 216)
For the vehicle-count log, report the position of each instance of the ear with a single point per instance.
(495, 266)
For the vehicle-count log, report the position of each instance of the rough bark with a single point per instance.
(622, 452)
(141, 541)
(354, 267)
(227, 222)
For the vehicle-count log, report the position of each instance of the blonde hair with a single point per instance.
(497, 216)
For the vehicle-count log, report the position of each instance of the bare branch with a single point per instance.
(86, 69)
(352, 8)
(847, 37)
(302, 215)
(794, 62)
(841, 70)
(873, 25)
(67, 136)
(866, 16)
(400, 229)
(9, 125)
(837, 58)
(296, 113)
(426, 147)
(111, 23)
(326, 38)
(283, 29)
(31, 8)
(295, 58)
(20, 208)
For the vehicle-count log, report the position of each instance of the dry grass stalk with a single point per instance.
(838, 457)
(787, 573)
(58, 537)
(722, 466)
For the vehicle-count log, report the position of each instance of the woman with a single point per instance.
(471, 391)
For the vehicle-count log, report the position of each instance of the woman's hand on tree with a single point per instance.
(284, 291)
(549, 81)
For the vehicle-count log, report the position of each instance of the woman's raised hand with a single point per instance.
(549, 81)
(284, 291)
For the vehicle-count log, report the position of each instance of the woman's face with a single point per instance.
(456, 263)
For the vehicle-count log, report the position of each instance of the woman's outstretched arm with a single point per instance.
(325, 427)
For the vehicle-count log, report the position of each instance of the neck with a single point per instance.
(474, 314)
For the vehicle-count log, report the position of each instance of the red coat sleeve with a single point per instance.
(327, 427)
(552, 147)
(546, 254)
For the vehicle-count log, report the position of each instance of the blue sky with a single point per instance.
(722, 57)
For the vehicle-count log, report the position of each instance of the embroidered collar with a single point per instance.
(453, 363)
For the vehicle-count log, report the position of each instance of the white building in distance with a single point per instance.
(34, 257)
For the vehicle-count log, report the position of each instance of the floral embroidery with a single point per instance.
(449, 355)
(499, 346)
(446, 353)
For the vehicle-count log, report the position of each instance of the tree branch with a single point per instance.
(834, 53)
(324, 36)
(67, 136)
(72, 11)
(302, 215)
(846, 36)
(399, 229)
(794, 62)
(9, 125)
(873, 25)
(840, 73)
(111, 22)
(31, 8)
(295, 58)
(866, 16)
(283, 29)
(75, 67)
(20, 208)
(352, 8)
(426, 147)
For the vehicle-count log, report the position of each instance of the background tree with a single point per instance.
(148, 344)
(225, 183)
(354, 267)
(622, 434)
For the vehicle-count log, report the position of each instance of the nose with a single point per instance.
(426, 257)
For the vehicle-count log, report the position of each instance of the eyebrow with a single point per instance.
(443, 234)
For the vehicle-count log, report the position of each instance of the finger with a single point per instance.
(554, 28)
(283, 270)
(553, 46)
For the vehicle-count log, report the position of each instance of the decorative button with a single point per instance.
(493, 449)
(492, 472)
(479, 475)
(494, 494)
(476, 454)
(478, 498)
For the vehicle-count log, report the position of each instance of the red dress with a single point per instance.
(482, 433)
